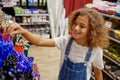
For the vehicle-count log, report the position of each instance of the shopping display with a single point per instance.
(111, 13)
(112, 60)
(112, 8)
(34, 16)
(14, 65)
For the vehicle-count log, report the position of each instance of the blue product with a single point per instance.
(30, 2)
(118, 13)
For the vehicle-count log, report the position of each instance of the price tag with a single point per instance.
(108, 24)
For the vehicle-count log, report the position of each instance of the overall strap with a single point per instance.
(68, 46)
(88, 54)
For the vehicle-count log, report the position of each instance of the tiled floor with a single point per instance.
(47, 59)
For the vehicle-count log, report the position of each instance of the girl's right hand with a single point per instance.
(15, 28)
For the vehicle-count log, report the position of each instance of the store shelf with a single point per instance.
(33, 20)
(92, 76)
(111, 59)
(36, 23)
(31, 14)
(111, 16)
(108, 74)
(8, 5)
(111, 75)
(113, 39)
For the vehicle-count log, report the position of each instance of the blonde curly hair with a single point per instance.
(97, 35)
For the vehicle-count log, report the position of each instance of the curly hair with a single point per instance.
(98, 34)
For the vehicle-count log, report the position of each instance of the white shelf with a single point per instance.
(92, 76)
(111, 16)
(111, 59)
(31, 14)
(8, 5)
(108, 74)
(36, 23)
(113, 39)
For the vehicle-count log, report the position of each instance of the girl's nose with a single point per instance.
(77, 27)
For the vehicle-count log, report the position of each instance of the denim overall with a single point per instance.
(74, 71)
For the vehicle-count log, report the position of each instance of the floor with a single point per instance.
(47, 60)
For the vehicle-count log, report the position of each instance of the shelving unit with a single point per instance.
(108, 74)
(116, 63)
(32, 14)
(36, 20)
(92, 76)
(6, 3)
(34, 23)
(111, 16)
(113, 39)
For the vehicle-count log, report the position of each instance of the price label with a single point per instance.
(108, 24)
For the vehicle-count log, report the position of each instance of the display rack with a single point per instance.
(107, 74)
(116, 63)
(113, 39)
(35, 22)
(38, 21)
(111, 16)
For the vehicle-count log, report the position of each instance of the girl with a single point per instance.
(82, 50)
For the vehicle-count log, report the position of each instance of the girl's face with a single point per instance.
(80, 28)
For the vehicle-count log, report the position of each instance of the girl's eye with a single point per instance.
(81, 26)
(74, 23)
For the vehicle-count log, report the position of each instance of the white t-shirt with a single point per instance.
(78, 52)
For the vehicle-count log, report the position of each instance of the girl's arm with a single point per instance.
(15, 28)
(97, 73)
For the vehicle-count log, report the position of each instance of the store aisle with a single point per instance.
(47, 59)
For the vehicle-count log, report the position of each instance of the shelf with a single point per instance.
(8, 6)
(92, 76)
(111, 59)
(111, 16)
(32, 14)
(111, 75)
(108, 74)
(35, 23)
(113, 39)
